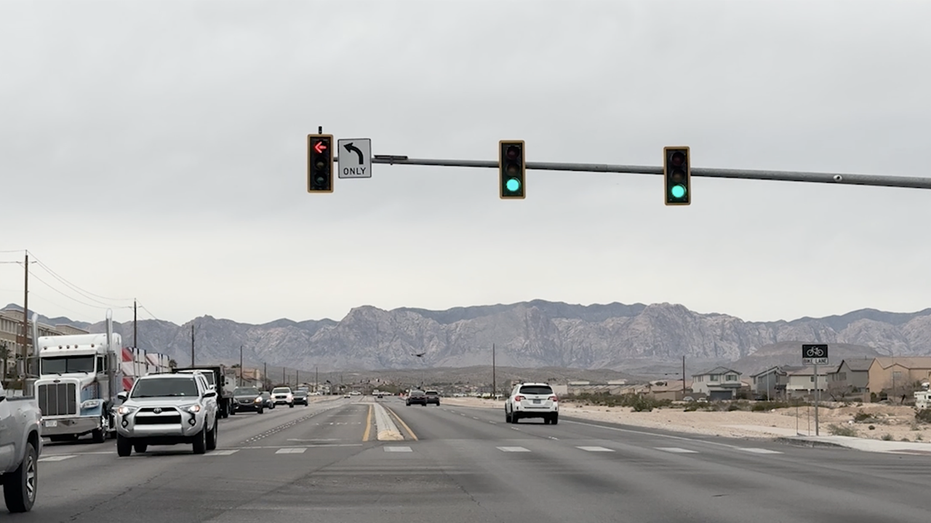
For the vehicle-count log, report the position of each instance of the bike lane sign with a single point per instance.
(815, 354)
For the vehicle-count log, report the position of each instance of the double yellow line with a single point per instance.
(401, 421)
(368, 425)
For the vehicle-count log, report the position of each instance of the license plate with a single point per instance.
(51, 423)
(536, 402)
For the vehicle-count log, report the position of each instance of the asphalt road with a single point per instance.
(322, 464)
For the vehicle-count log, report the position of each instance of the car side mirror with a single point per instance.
(122, 395)
(210, 394)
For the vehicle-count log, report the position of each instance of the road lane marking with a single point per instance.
(761, 451)
(401, 421)
(290, 451)
(368, 425)
(595, 449)
(677, 450)
(513, 449)
(222, 452)
(55, 458)
(398, 449)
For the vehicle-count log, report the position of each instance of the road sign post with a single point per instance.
(355, 158)
(815, 354)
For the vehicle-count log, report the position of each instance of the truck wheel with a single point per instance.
(140, 447)
(212, 436)
(200, 443)
(100, 435)
(124, 446)
(19, 487)
(261, 410)
(291, 405)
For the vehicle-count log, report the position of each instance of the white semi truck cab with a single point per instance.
(77, 384)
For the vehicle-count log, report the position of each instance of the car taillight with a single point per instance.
(554, 399)
(518, 398)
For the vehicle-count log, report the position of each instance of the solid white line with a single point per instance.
(221, 453)
(55, 458)
(762, 451)
(398, 449)
(290, 451)
(595, 449)
(645, 433)
(513, 449)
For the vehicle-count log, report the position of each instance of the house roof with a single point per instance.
(916, 362)
(717, 370)
(781, 369)
(859, 364)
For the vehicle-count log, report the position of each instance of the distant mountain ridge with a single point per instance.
(530, 334)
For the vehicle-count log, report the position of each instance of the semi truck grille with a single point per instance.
(58, 399)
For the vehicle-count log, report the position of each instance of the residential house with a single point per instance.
(771, 383)
(801, 382)
(851, 376)
(719, 383)
(897, 376)
(669, 389)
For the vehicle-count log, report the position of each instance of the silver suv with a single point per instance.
(532, 400)
(167, 409)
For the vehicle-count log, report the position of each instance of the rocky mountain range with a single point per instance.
(530, 335)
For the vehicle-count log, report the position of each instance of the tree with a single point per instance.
(173, 364)
(838, 390)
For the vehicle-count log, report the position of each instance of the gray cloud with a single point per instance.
(156, 150)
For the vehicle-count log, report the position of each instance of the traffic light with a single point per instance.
(319, 163)
(677, 171)
(511, 164)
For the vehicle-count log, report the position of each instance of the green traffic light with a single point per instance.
(677, 191)
(512, 185)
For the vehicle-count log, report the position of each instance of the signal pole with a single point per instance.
(25, 322)
(192, 344)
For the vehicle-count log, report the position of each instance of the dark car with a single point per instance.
(300, 397)
(248, 399)
(432, 397)
(417, 397)
(267, 397)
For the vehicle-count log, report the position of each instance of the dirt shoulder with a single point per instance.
(897, 423)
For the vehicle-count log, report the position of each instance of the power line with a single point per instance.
(73, 286)
(73, 298)
(141, 306)
(16, 250)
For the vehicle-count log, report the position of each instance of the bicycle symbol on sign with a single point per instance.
(815, 352)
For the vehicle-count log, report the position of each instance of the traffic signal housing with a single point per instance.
(677, 171)
(511, 167)
(319, 163)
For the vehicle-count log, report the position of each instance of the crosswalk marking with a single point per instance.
(398, 449)
(513, 449)
(595, 449)
(54, 458)
(224, 452)
(290, 451)
(762, 451)
(676, 450)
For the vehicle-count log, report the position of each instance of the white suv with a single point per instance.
(532, 400)
(283, 396)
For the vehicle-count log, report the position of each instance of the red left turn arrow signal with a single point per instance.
(320, 147)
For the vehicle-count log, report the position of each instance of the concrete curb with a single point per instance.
(805, 442)
(384, 426)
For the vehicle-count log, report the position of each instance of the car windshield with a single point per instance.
(281, 390)
(59, 365)
(164, 387)
(417, 393)
(301, 393)
(536, 389)
(246, 391)
(432, 393)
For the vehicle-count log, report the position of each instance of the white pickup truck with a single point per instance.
(20, 445)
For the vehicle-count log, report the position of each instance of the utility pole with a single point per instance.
(25, 321)
(494, 378)
(192, 343)
(316, 378)
(240, 366)
(265, 375)
(683, 375)
(284, 377)
(135, 339)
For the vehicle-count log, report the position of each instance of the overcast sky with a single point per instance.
(157, 150)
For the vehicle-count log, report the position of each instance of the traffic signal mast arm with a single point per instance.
(907, 182)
